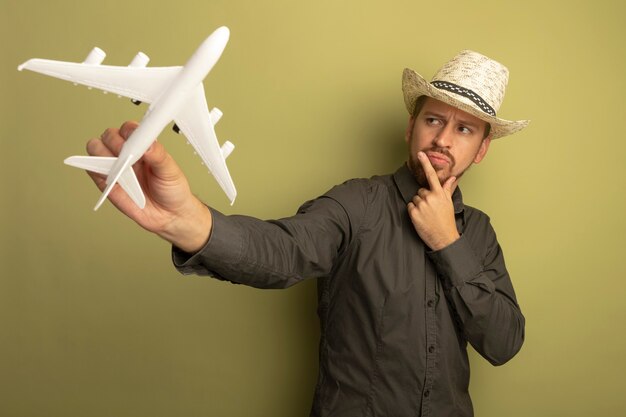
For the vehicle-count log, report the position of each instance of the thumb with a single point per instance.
(161, 162)
(449, 184)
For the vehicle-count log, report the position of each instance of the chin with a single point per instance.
(420, 176)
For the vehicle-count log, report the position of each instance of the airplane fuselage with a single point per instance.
(166, 107)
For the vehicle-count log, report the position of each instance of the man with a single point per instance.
(407, 273)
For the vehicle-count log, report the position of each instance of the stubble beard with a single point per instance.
(420, 176)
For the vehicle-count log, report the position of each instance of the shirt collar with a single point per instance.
(408, 186)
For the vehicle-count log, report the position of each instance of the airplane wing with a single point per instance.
(195, 123)
(144, 84)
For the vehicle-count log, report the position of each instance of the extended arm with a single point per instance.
(272, 254)
(268, 254)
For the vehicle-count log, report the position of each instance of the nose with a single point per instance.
(444, 136)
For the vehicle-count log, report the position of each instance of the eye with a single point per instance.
(465, 130)
(431, 121)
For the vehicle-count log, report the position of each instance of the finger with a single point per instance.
(429, 171)
(447, 186)
(128, 128)
(413, 211)
(112, 139)
(95, 147)
(423, 192)
(416, 201)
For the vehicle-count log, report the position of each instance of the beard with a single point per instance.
(415, 166)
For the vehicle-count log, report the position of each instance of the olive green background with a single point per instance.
(95, 321)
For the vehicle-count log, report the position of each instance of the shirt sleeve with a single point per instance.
(479, 290)
(274, 253)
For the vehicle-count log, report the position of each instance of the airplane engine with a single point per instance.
(227, 149)
(140, 60)
(95, 57)
(216, 115)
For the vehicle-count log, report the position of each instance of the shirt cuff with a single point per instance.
(457, 262)
(224, 247)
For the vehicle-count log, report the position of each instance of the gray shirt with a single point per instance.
(395, 316)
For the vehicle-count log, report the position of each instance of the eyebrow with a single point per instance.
(433, 114)
(466, 122)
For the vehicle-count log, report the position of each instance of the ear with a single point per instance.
(409, 129)
(482, 151)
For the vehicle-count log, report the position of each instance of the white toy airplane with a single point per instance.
(175, 93)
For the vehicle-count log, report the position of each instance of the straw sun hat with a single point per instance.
(470, 82)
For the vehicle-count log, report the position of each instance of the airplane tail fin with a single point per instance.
(125, 176)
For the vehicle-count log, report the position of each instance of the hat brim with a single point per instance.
(414, 86)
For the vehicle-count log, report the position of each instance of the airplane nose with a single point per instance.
(222, 32)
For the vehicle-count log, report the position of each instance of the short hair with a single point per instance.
(419, 104)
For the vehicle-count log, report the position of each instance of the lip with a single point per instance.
(437, 158)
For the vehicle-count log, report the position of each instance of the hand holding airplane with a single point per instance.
(174, 93)
(172, 211)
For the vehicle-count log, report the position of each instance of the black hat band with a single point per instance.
(467, 93)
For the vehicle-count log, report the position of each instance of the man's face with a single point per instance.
(451, 138)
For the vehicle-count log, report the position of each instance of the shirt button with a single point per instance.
(426, 394)
(430, 303)
(431, 349)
